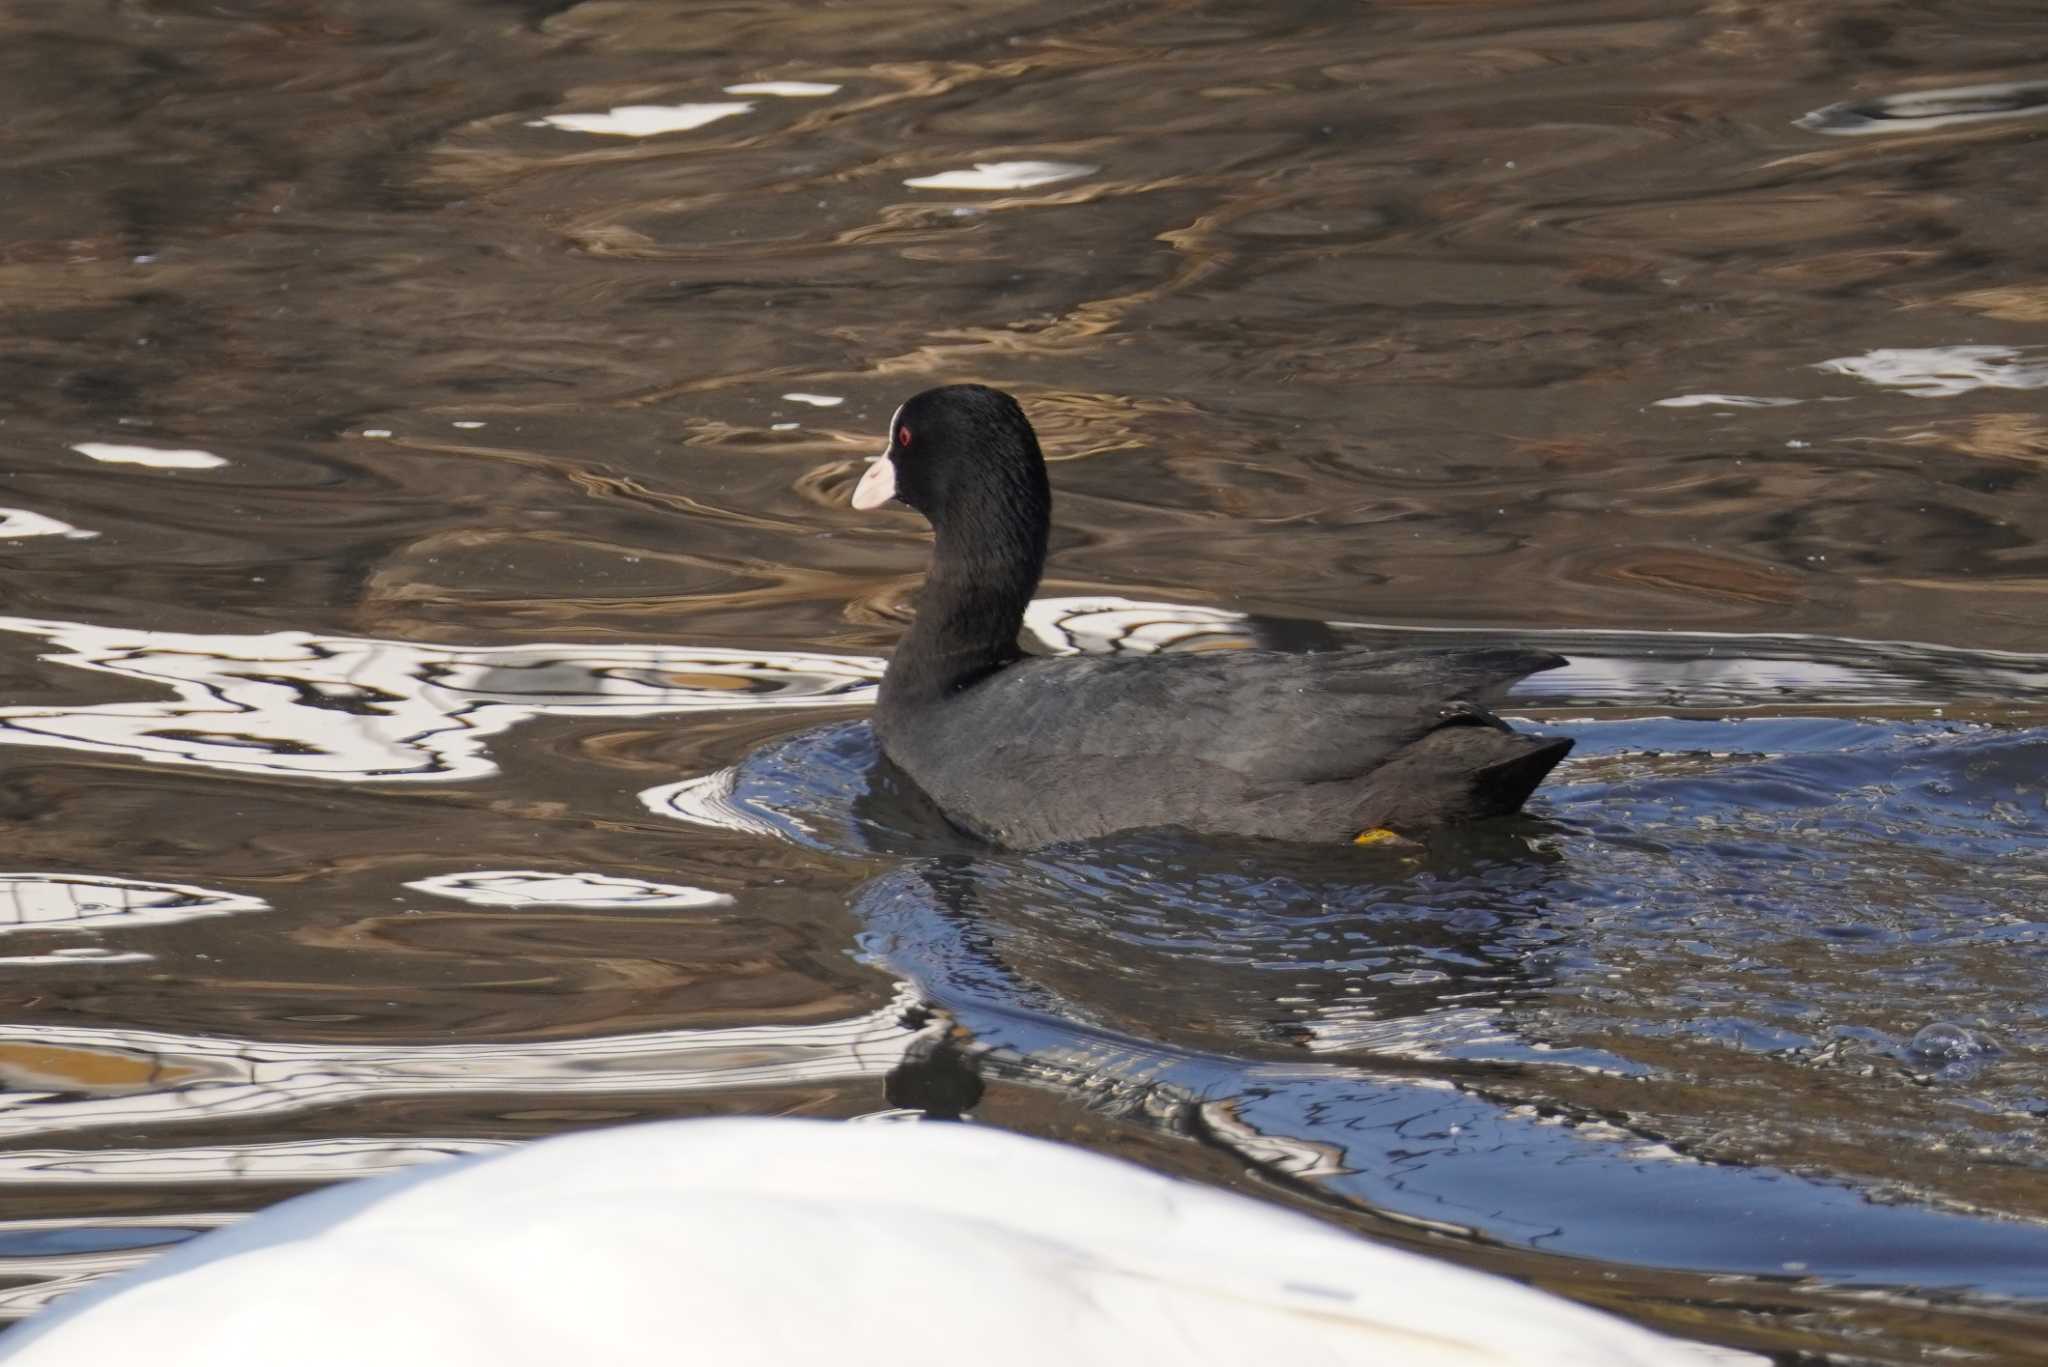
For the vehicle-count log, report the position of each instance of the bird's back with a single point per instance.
(1258, 743)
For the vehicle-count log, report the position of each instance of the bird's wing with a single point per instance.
(1270, 718)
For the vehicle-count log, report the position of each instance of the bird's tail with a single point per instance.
(1457, 774)
(1503, 786)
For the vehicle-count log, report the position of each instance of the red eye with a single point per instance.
(903, 436)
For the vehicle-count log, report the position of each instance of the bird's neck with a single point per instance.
(983, 572)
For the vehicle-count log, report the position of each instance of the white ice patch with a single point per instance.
(528, 888)
(160, 457)
(1944, 372)
(1723, 401)
(18, 524)
(643, 120)
(816, 400)
(794, 90)
(1003, 175)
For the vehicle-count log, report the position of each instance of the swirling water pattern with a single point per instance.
(437, 637)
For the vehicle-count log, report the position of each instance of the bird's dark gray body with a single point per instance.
(1290, 747)
(1027, 751)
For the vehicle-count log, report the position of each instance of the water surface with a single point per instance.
(437, 638)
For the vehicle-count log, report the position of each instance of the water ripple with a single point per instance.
(1361, 328)
(90, 902)
(387, 711)
(1922, 110)
(63, 1078)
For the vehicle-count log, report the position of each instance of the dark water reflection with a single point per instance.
(436, 632)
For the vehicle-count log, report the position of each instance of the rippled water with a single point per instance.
(438, 639)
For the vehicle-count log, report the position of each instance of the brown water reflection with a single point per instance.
(531, 431)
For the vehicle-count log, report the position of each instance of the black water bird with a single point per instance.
(1342, 745)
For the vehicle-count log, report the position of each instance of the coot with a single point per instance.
(1340, 745)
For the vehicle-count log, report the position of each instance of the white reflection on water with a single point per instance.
(709, 800)
(363, 710)
(1724, 401)
(89, 902)
(795, 90)
(284, 1160)
(1919, 110)
(1305, 1160)
(528, 888)
(51, 1071)
(1735, 677)
(157, 457)
(1358, 1026)
(1106, 625)
(1942, 372)
(59, 1272)
(1623, 666)
(18, 524)
(85, 954)
(643, 120)
(387, 711)
(1003, 175)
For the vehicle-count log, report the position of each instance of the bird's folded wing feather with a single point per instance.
(1269, 717)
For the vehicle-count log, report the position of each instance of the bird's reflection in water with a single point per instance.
(1248, 946)
(1251, 950)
